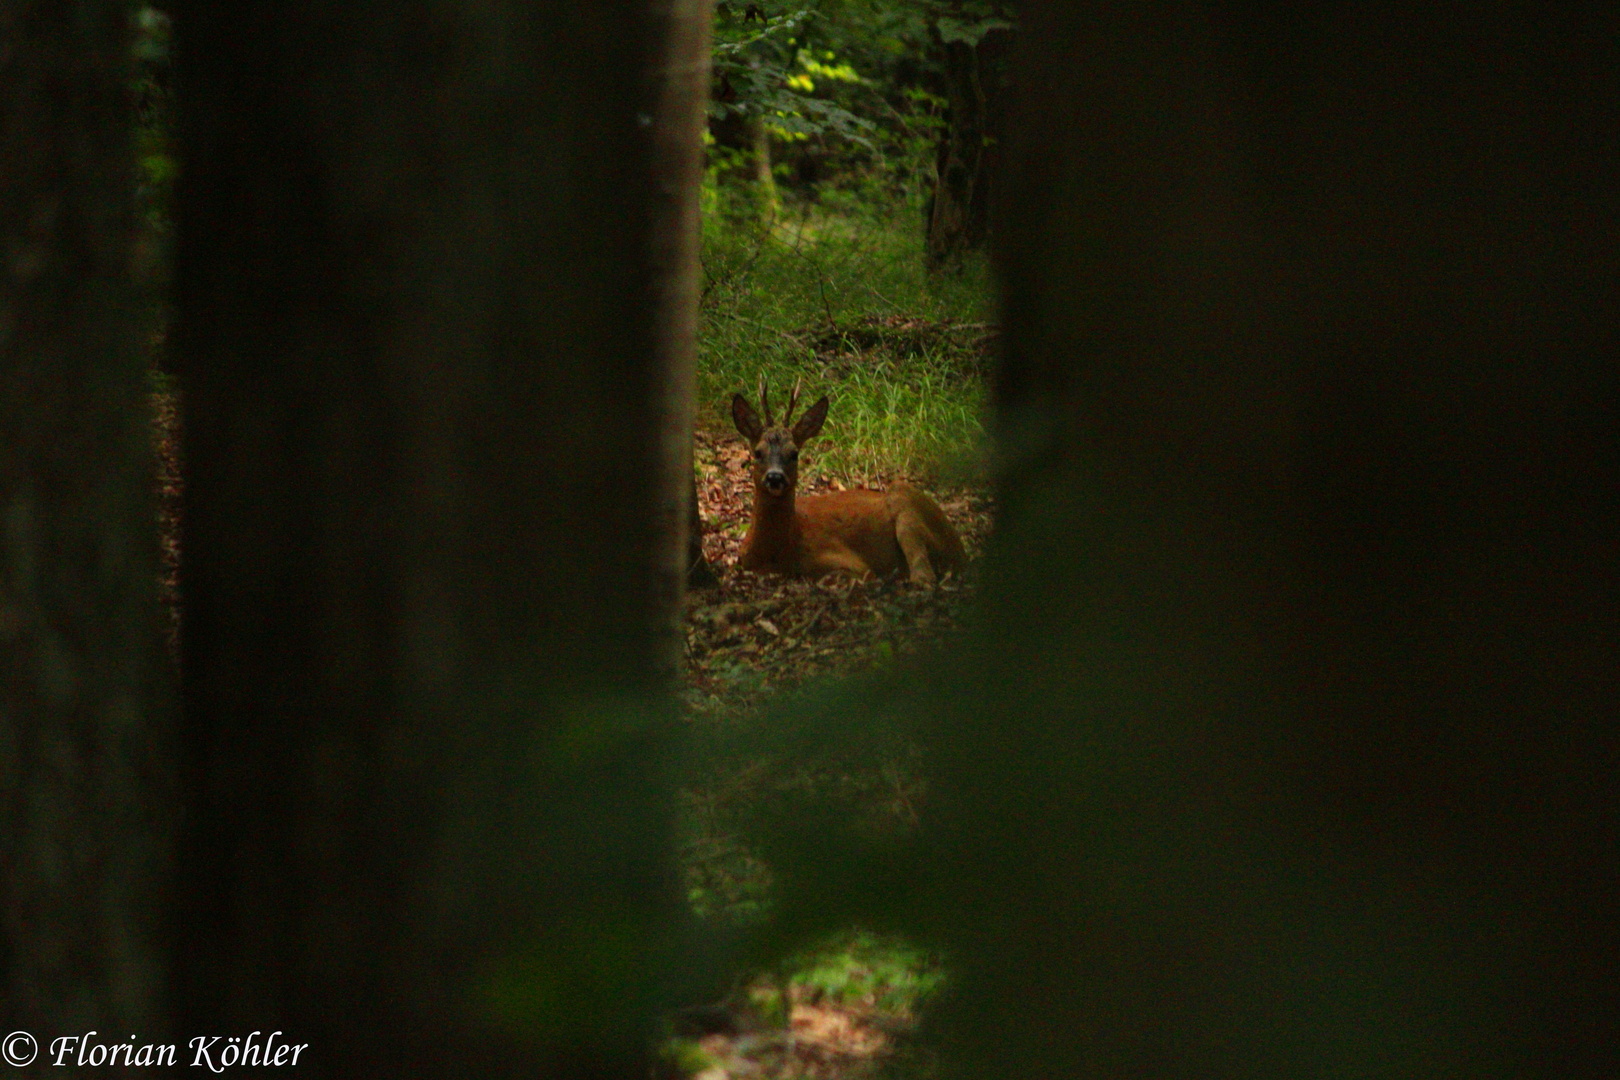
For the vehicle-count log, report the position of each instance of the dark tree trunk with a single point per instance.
(84, 717)
(1286, 743)
(975, 84)
(950, 223)
(434, 314)
(1289, 745)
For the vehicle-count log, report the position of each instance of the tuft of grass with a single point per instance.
(842, 301)
(863, 969)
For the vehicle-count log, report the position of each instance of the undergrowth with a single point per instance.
(868, 970)
(840, 299)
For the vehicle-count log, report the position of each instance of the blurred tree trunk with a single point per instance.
(435, 305)
(1289, 742)
(84, 702)
(1286, 743)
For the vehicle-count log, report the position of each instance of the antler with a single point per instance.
(793, 399)
(764, 405)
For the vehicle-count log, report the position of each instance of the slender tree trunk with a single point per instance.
(84, 718)
(967, 162)
(959, 164)
(682, 117)
(759, 140)
(699, 574)
(434, 314)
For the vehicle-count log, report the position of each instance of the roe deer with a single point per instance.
(855, 532)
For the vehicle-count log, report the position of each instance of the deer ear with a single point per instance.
(746, 419)
(809, 424)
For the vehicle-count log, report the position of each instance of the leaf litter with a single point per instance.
(759, 634)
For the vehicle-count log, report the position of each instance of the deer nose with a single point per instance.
(775, 481)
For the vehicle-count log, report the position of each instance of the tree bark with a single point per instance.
(682, 118)
(85, 697)
(434, 316)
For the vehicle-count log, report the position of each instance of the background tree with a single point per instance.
(84, 701)
(897, 93)
(434, 305)
(757, 92)
(973, 42)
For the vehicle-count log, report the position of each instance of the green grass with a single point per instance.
(859, 968)
(811, 297)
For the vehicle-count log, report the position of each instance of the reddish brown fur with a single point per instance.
(854, 532)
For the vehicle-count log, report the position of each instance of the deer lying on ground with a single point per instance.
(854, 532)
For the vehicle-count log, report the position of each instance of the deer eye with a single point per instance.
(759, 455)
(793, 455)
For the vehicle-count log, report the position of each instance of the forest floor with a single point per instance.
(757, 635)
(845, 1011)
(907, 388)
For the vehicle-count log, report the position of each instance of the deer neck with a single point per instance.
(776, 523)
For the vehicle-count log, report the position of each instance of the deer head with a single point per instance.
(776, 446)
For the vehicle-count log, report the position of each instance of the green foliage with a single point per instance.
(968, 21)
(723, 876)
(156, 167)
(571, 979)
(761, 70)
(725, 880)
